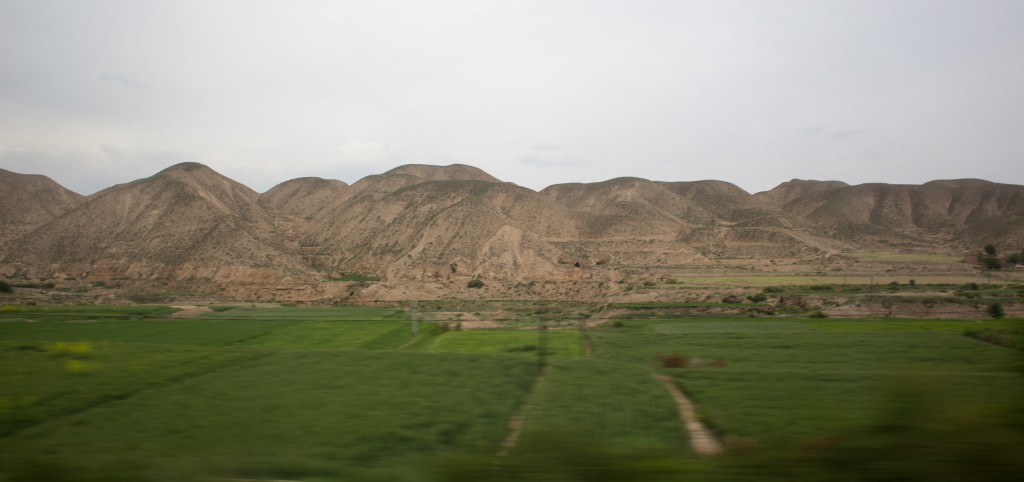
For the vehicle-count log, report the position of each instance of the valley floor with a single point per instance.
(317, 394)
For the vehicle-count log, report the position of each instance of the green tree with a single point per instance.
(991, 262)
(995, 310)
(990, 249)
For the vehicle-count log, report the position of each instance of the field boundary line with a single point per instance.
(701, 439)
(516, 423)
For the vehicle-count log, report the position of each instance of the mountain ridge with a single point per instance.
(190, 225)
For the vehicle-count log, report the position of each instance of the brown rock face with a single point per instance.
(302, 197)
(28, 201)
(440, 226)
(186, 221)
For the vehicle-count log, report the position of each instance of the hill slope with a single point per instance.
(185, 223)
(28, 201)
(191, 228)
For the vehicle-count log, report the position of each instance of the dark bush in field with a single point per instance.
(674, 360)
(995, 310)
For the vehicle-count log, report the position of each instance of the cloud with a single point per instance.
(546, 146)
(818, 132)
(91, 169)
(845, 133)
(358, 152)
(127, 80)
(811, 132)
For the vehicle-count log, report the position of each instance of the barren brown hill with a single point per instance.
(184, 223)
(954, 215)
(790, 190)
(28, 201)
(440, 222)
(193, 229)
(639, 222)
(302, 197)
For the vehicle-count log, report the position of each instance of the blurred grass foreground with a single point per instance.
(110, 394)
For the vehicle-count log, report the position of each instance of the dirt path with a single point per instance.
(702, 440)
(515, 424)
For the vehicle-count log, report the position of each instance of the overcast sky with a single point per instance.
(755, 92)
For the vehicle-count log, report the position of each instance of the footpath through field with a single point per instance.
(702, 440)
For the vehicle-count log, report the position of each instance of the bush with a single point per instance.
(5, 287)
(674, 360)
(475, 283)
(757, 298)
(817, 314)
(995, 310)
(990, 249)
(991, 262)
(146, 298)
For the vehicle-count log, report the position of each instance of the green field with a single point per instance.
(317, 394)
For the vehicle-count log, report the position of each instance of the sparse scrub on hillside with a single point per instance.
(1015, 258)
(355, 277)
(148, 298)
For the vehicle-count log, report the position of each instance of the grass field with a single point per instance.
(321, 394)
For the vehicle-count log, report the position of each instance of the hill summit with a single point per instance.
(420, 230)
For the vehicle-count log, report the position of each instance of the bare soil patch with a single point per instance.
(191, 311)
(703, 441)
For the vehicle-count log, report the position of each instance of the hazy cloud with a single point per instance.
(266, 91)
(130, 81)
(366, 152)
(546, 146)
(545, 161)
(844, 133)
(817, 131)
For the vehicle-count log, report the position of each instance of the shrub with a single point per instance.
(995, 310)
(817, 314)
(5, 287)
(757, 298)
(991, 262)
(990, 249)
(674, 360)
(475, 283)
(144, 298)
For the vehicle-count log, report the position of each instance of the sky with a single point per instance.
(753, 92)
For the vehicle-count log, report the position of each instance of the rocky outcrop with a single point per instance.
(437, 227)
